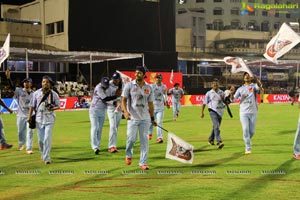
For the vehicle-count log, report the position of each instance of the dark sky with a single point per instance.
(15, 2)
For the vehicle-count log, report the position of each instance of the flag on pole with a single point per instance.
(4, 51)
(281, 43)
(171, 77)
(124, 77)
(178, 149)
(238, 65)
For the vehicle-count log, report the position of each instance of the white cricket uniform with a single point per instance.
(25, 133)
(137, 105)
(160, 97)
(114, 113)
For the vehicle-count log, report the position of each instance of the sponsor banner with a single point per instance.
(65, 103)
(177, 77)
(74, 103)
(276, 98)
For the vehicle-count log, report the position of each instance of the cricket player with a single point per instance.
(44, 102)
(23, 96)
(160, 100)
(3, 143)
(137, 104)
(97, 111)
(177, 93)
(247, 94)
(114, 112)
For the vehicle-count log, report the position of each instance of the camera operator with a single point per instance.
(43, 103)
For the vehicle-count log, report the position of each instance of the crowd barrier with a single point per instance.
(76, 103)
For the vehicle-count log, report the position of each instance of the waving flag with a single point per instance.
(281, 43)
(171, 77)
(178, 149)
(4, 51)
(238, 65)
(124, 77)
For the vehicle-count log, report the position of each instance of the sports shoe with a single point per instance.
(97, 151)
(296, 156)
(21, 148)
(211, 142)
(5, 146)
(47, 162)
(144, 167)
(177, 115)
(174, 119)
(159, 140)
(149, 136)
(220, 145)
(248, 152)
(29, 152)
(113, 150)
(128, 160)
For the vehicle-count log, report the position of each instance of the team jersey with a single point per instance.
(44, 116)
(111, 105)
(247, 95)
(98, 95)
(23, 99)
(176, 94)
(138, 99)
(160, 96)
(214, 101)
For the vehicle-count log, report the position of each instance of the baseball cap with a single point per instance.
(27, 80)
(49, 78)
(141, 69)
(116, 76)
(158, 76)
(105, 82)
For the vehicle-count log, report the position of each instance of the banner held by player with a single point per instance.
(281, 43)
(179, 150)
(4, 51)
(238, 65)
(124, 77)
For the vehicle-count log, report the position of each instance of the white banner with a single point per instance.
(238, 65)
(171, 77)
(4, 51)
(124, 77)
(281, 43)
(178, 149)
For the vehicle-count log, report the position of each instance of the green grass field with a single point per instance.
(76, 173)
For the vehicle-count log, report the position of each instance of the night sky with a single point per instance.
(15, 2)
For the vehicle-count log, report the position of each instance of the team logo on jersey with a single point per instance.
(146, 91)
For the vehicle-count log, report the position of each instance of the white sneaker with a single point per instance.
(21, 148)
(29, 152)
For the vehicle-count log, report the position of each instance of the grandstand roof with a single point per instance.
(83, 57)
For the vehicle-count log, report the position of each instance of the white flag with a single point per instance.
(238, 65)
(178, 149)
(124, 77)
(281, 43)
(4, 51)
(171, 77)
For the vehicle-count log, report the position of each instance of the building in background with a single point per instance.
(146, 26)
(209, 30)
